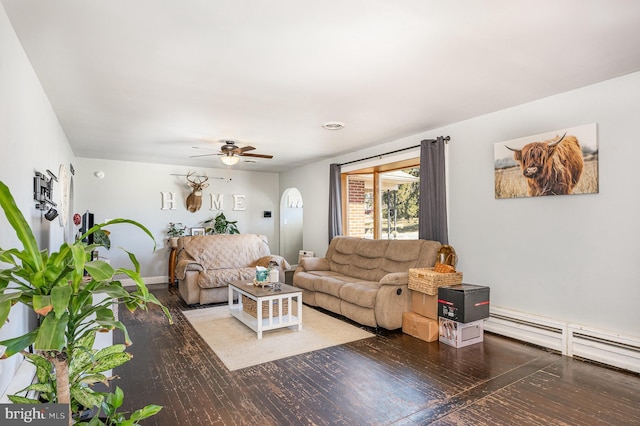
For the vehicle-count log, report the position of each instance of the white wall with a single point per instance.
(570, 258)
(31, 139)
(133, 190)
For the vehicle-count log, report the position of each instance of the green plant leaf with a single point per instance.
(84, 343)
(117, 398)
(17, 344)
(152, 299)
(115, 221)
(135, 276)
(110, 324)
(109, 362)
(148, 411)
(8, 256)
(86, 397)
(101, 238)
(43, 366)
(6, 301)
(99, 270)
(40, 387)
(51, 333)
(91, 379)
(60, 297)
(104, 313)
(79, 259)
(22, 400)
(134, 261)
(42, 304)
(113, 289)
(95, 421)
(117, 348)
(21, 227)
(80, 362)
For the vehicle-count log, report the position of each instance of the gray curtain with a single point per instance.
(335, 200)
(432, 222)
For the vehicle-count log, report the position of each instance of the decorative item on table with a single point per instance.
(197, 231)
(274, 273)
(262, 275)
(175, 231)
(447, 256)
(446, 260)
(443, 268)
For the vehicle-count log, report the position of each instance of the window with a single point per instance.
(382, 202)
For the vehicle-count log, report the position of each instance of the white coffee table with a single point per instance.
(260, 295)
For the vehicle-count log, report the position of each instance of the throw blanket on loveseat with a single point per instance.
(365, 280)
(207, 264)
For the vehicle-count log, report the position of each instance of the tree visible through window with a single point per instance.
(382, 203)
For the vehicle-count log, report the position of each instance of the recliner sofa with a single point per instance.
(364, 280)
(206, 264)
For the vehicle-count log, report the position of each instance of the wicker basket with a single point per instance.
(250, 306)
(426, 280)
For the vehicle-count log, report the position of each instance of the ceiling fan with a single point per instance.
(230, 153)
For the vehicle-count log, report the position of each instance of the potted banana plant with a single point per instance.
(72, 297)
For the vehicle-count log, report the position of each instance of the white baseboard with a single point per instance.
(569, 339)
(162, 279)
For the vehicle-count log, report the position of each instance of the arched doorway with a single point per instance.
(291, 213)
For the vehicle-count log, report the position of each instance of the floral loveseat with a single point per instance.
(364, 280)
(207, 264)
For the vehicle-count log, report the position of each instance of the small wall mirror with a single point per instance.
(291, 209)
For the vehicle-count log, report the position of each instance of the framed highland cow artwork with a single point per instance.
(560, 162)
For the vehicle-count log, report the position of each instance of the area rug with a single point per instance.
(238, 346)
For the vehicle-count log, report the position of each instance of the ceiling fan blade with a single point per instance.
(246, 148)
(257, 155)
(203, 155)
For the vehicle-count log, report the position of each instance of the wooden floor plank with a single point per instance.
(391, 378)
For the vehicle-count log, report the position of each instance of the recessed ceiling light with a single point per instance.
(333, 125)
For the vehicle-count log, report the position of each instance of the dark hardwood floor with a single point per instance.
(391, 378)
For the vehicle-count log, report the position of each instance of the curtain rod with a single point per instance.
(445, 138)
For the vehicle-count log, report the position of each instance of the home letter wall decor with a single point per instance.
(216, 202)
(238, 202)
(168, 200)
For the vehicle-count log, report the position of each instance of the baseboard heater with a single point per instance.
(569, 339)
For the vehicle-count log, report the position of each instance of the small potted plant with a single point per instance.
(221, 225)
(175, 231)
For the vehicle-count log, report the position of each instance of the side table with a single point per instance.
(172, 266)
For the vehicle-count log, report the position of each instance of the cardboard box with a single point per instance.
(463, 302)
(424, 304)
(458, 334)
(418, 326)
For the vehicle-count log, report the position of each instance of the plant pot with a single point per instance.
(173, 242)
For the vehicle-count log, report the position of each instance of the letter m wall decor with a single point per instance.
(560, 162)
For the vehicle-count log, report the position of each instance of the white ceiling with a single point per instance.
(147, 80)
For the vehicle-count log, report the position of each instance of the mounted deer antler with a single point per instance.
(194, 200)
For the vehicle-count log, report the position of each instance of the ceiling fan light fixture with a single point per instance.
(333, 125)
(230, 160)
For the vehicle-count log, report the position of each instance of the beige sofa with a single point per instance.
(207, 264)
(364, 280)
